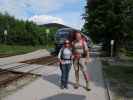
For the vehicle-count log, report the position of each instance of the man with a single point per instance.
(81, 58)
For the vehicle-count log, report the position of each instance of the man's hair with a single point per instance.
(73, 36)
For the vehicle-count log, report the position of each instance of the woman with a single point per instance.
(65, 59)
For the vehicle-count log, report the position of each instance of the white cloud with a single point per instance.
(21, 8)
(44, 19)
(72, 19)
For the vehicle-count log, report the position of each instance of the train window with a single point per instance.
(62, 34)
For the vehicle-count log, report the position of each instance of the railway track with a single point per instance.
(14, 75)
(50, 60)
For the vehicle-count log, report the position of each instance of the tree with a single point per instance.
(24, 32)
(107, 20)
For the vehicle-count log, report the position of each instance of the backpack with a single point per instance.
(62, 50)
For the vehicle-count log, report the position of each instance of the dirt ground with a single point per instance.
(41, 61)
(6, 55)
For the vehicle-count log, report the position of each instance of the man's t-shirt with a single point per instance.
(80, 47)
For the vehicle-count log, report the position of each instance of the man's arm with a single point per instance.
(87, 50)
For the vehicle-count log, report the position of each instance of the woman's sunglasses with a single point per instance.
(66, 43)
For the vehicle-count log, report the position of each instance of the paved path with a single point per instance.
(47, 86)
(18, 58)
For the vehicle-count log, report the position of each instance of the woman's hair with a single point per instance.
(67, 42)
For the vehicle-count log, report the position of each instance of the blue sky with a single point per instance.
(66, 12)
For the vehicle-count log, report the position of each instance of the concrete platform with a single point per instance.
(28, 56)
(10, 65)
(27, 68)
(47, 86)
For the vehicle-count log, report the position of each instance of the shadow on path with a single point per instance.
(54, 79)
(95, 70)
(65, 96)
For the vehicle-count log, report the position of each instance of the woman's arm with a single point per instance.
(59, 56)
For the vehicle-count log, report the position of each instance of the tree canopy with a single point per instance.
(107, 20)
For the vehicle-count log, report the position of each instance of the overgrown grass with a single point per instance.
(120, 73)
(129, 53)
(120, 79)
(16, 49)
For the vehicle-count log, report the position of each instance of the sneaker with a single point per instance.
(62, 87)
(87, 86)
(66, 87)
(88, 89)
(76, 86)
